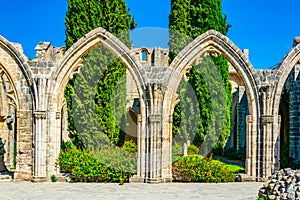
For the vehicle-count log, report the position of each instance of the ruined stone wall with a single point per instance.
(293, 87)
(38, 86)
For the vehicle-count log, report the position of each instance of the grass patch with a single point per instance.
(233, 168)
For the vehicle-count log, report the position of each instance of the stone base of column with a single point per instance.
(36, 179)
(21, 176)
(261, 179)
(136, 179)
(154, 180)
(245, 178)
(167, 180)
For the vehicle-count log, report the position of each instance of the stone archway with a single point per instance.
(286, 81)
(72, 61)
(19, 95)
(38, 92)
(213, 41)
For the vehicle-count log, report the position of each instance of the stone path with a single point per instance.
(131, 191)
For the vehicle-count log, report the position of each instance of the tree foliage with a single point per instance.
(93, 96)
(189, 19)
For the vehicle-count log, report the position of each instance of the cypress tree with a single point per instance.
(93, 102)
(192, 18)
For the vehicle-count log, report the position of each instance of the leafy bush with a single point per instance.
(83, 166)
(193, 150)
(53, 178)
(117, 158)
(130, 146)
(195, 168)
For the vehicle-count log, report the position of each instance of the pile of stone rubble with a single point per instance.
(284, 184)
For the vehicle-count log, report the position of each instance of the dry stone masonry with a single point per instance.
(284, 184)
(33, 107)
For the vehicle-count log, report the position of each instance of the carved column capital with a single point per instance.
(40, 114)
(154, 118)
(266, 119)
(266, 89)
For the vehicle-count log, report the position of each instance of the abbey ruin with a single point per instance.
(265, 107)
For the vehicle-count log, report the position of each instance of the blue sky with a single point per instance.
(265, 27)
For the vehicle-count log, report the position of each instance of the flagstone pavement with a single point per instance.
(132, 191)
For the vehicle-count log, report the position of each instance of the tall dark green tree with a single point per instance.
(92, 96)
(189, 19)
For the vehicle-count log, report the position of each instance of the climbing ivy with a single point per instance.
(94, 104)
(189, 19)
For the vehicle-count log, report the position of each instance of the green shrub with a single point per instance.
(118, 158)
(193, 150)
(83, 166)
(130, 146)
(53, 178)
(195, 168)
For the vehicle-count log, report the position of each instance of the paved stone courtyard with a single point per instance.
(83, 191)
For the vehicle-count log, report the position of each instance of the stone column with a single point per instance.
(276, 144)
(154, 141)
(40, 142)
(267, 150)
(154, 110)
(265, 139)
(24, 160)
(53, 142)
(141, 173)
(251, 147)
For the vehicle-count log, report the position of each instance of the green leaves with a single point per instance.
(85, 166)
(96, 114)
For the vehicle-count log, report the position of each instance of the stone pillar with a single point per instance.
(154, 128)
(54, 142)
(265, 150)
(24, 160)
(140, 176)
(276, 144)
(40, 146)
(251, 146)
(154, 110)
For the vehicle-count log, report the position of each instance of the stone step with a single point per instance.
(6, 176)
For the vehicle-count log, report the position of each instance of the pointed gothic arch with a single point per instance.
(215, 42)
(21, 94)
